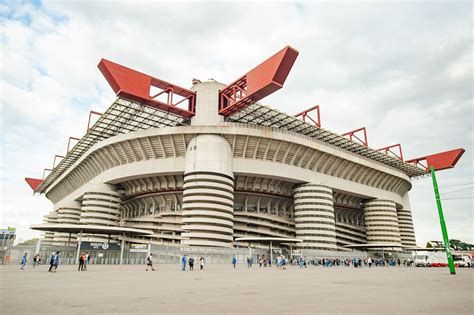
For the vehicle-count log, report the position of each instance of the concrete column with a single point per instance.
(381, 222)
(314, 216)
(68, 212)
(208, 197)
(405, 224)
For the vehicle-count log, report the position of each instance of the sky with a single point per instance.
(403, 70)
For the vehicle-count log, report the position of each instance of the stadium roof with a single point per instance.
(125, 116)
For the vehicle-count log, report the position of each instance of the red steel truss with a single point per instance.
(261, 81)
(387, 150)
(33, 182)
(137, 86)
(440, 161)
(305, 116)
(352, 134)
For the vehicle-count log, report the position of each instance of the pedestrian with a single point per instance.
(183, 262)
(51, 262)
(234, 261)
(191, 263)
(149, 263)
(56, 262)
(81, 262)
(201, 262)
(24, 259)
(86, 261)
(36, 260)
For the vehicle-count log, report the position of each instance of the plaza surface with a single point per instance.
(221, 289)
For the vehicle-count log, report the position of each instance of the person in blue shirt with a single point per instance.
(23, 261)
(183, 262)
(234, 261)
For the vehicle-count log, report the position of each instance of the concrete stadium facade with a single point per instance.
(212, 181)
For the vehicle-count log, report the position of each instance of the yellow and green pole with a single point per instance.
(441, 221)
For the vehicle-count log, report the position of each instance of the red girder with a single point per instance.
(33, 182)
(305, 115)
(137, 86)
(90, 116)
(440, 161)
(387, 150)
(352, 134)
(261, 81)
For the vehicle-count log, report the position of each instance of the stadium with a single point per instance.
(211, 167)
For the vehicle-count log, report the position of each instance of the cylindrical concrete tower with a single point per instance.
(101, 205)
(208, 197)
(69, 213)
(381, 222)
(314, 216)
(207, 104)
(405, 224)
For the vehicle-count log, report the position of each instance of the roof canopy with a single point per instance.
(90, 229)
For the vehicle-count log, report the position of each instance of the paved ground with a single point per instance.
(220, 289)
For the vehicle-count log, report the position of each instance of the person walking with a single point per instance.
(81, 262)
(36, 260)
(201, 263)
(149, 263)
(234, 261)
(51, 262)
(183, 262)
(24, 259)
(56, 262)
(191, 263)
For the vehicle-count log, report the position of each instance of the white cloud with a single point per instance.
(404, 70)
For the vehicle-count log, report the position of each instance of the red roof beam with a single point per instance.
(440, 161)
(90, 116)
(261, 81)
(305, 115)
(33, 182)
(388, 150)
(137, 86)
(352, 134)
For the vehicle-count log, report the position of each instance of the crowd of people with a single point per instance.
(280, 261)
(190, 262)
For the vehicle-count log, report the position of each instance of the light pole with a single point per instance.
(438, 162)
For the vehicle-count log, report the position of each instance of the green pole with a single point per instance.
(443, 224)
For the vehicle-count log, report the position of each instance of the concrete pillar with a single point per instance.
(381, 221)
(314, 216)
(208, 197)
(405, 224)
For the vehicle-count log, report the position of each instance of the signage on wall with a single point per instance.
(100, 246)
(138, 248)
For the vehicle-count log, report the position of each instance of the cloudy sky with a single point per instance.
(403, 69)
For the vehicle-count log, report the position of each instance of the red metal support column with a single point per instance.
(352, 134)
(387, 150)
(305, 116)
